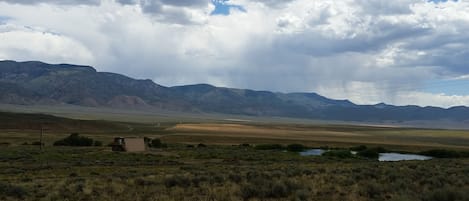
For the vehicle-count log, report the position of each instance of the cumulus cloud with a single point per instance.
(274, 3)
(179, 3)
(429, 99)
(26, 43)
(184, 12)
(63, 2)
(128, 2)
(366, 51)
(186, 3)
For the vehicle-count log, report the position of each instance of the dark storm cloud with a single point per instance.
(450, 58)
(168, 11)
(379, 35)
(176, 3)
(186, 3)
(448, 51)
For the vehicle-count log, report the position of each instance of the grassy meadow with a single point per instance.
(220, 161)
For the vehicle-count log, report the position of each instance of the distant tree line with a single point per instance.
(76, 140)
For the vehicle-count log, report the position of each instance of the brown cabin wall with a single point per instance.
(134, 144)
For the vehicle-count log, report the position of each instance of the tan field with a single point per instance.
(318, 135)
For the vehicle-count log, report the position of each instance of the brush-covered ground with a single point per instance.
(217, 172)
(224, 167)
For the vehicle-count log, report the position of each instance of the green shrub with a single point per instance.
(217, 179)
(441, 153)
(372, 152)
(446, 194)
(144, 182)
(302, 195)
(260, 187)
(368, 153)
(236, 178)
(338, 154)
(37, 143)
(12, 191)
(98, 143)
(249, 191)
(74, 140)
(6, 144)
(359, 148)
(379, 149)
(324, 147)
(269, 147)
(372, 189)
(147, 140)
(177, 180)
(296, 147)
(156, 143)
(279, 189)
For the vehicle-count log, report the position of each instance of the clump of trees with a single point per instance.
(269, 147)
(359, 148)
(441, 153)
(290, 147)
(371, 152)
(338, 154)
(296, 147)
(155, 143)
(77, 141)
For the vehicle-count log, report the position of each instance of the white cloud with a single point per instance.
(59, 2)
(430, 99)
(21, 43)
(356, 49)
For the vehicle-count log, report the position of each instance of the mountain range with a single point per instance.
(38, 83)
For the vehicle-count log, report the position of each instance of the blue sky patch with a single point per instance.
(448, 87)
(222, 7)
(4, 19)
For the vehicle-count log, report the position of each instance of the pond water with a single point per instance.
(382, 156)
(312, 152)
(401, 157)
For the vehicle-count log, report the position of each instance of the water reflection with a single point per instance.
(382, 156)
(401, 157)
(312, 152)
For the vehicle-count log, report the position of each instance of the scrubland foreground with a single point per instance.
(224, 167)
(221, 172)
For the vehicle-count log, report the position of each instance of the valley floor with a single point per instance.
(217, 172)
(227, 166)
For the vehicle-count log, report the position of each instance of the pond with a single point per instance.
(382, 156)
(312, 152)
(401, 157)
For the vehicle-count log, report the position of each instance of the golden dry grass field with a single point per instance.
(318, 135)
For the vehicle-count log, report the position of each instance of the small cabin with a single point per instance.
(129, 144)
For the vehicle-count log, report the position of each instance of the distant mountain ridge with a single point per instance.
(30, 83)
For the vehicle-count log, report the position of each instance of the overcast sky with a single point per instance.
(369, 51)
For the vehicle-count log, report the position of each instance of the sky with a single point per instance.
(402, 52)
